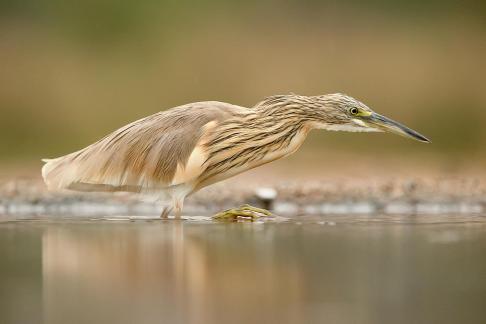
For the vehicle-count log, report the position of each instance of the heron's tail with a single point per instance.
(55, 173)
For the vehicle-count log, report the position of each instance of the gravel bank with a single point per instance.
(397, 196)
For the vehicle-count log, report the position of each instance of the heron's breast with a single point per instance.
(231, 167)
(284, 151)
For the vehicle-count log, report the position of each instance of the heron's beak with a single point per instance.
(389, 125)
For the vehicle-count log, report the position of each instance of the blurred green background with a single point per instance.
(73, 71)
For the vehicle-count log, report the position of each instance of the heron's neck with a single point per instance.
(282, 104)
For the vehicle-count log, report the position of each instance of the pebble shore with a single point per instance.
(398, 196)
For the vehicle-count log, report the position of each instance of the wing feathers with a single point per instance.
(150, 154)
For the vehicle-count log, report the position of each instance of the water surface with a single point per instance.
(342, 269)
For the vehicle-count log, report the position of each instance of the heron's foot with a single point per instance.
(245, 212)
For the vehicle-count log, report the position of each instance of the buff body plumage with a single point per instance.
(176, 152)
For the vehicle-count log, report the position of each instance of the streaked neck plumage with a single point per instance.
(274, 128)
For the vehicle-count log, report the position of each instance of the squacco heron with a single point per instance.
(176, 152)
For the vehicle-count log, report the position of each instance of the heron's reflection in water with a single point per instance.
(356, 271)
(170, 271)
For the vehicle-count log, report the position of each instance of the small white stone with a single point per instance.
(266, 193)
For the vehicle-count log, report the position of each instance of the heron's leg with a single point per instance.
(178, 204)
(242, 212)
(165, 212)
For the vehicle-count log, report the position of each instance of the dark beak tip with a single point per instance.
(425, 140)
(418, 137)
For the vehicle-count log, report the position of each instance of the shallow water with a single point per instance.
(332, 269)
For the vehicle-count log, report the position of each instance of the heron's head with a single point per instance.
(340, 112)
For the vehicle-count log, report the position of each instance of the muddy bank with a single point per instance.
(398, 196)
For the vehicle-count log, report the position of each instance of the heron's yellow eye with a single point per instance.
(354, 111)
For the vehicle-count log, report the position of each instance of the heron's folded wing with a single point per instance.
(150, 154)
